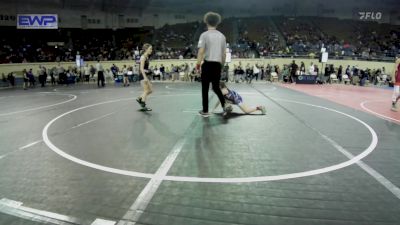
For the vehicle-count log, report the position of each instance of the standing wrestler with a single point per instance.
(143, 77)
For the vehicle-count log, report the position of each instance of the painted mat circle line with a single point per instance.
(357, 158)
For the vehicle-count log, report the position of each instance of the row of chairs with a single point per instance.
(382, 80)
(334, 79)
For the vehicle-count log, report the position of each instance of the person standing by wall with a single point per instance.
(212, 49)
(100, 74)
(11, 79)
(86, 72)
(302, 69)
(61, 74)
(125, 79)
(311, 69)
(293, 70)
(26, 79)
(42, 75)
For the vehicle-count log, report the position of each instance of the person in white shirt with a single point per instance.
(256, 71)
(311, 69)
(109, 76)
(86, 72)
(42, 75)
(100, 74)
(127, 75)
(61, 74)
(136, 72)
(136, 52)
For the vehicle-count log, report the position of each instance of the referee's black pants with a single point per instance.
(100, 77)
(211, 73)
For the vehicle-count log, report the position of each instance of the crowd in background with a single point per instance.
(289, 73)
(124, 75)
(247, 37)
(186, 72)
(255, 38)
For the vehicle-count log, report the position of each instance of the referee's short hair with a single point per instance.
(212, 18)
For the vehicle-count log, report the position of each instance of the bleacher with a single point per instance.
(343, 30)
(257, 28)
(302, 35)
(178, 35)
(226, 27)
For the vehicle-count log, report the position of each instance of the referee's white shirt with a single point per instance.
(214, 44)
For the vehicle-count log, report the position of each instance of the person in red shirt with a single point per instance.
(396, 91)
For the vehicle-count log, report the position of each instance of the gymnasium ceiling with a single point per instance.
(193, 6)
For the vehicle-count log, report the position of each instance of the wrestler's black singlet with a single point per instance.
(146, 68)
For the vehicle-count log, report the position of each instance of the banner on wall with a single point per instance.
(37, 21)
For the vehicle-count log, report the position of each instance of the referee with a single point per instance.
(212, 45)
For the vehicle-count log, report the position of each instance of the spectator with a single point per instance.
(31, 78)
(61, 74)
(25, 78)
(114, 70)
(311, 69)
(340, 73)
(125, 75)
(302, 68)
(11, 79)
(293, 70)
(109, 75)
(42, 75)
(100, 74)
(86, 72)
